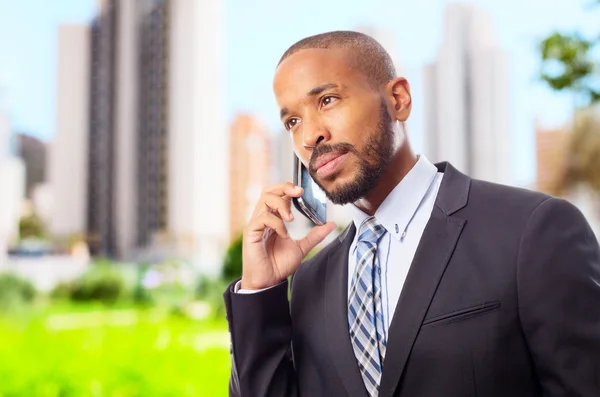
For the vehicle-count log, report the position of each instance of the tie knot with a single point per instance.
(371, 231)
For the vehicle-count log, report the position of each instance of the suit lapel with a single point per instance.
(336, 308)
(427, 269)
(434, 251)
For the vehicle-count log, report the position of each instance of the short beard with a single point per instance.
(379, 148)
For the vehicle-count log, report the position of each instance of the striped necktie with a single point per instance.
(365, 313)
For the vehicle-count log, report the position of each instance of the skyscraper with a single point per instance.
(152, 187)
(101, 145)
(250, 166)
(158, 168)
(33, 151)
(125, 124)
(12, 184)
(68, 166)
(197, 149)
(467, 98)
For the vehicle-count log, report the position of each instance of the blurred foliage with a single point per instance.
(15, 292)
(232, 264)
(102, 283)
(31, 226)
(570, 64)
(108, 334)
(112, 353)
(141, 295)
(211, 291)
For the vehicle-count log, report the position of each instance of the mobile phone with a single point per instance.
(313, 202)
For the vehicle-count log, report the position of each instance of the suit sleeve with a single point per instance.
(558, 282)
(260, 327)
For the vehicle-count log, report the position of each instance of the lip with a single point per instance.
(328, 163)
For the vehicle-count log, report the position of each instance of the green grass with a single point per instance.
(125, 352)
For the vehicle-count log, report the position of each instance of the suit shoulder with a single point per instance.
(500, 196)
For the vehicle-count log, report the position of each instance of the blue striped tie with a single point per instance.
(365, 313)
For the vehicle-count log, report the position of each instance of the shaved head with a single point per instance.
(365, 54)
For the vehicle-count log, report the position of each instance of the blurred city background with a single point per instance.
(136, 135)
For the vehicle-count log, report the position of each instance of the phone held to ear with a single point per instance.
(313, 202)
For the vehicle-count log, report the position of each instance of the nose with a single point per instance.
(314, 133)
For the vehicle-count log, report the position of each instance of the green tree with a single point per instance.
(31, 226)
(569, 64)
(232, 265)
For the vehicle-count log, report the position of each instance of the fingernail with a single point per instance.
(291, 216)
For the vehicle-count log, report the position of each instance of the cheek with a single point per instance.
(298, 147)
(353, 125)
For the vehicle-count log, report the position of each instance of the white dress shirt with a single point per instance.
(404, 214)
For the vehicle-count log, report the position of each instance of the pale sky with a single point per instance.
(258, 32)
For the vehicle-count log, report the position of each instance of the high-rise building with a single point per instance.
(152, 186)
(467, 98)
(158, 146)
(67, 161)
(198, 167)
(101, 139)
(33, 152)
(126, 118)
(12, 183)
(116, 138)
(249, 166)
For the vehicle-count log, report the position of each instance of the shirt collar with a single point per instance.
(399, 207)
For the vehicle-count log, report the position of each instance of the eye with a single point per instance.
(291, 123)
(328, 100)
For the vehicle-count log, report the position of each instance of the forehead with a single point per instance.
(306, 69)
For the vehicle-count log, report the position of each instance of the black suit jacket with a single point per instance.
(502, 299)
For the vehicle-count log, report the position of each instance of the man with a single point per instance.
(442, 286)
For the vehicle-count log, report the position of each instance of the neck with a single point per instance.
(400, 165)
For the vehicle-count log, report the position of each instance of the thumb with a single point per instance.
(315, 236)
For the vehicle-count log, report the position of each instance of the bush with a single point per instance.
(31, 226)
(15, 291)
(232, 266)
(102, 283)
(211, 291)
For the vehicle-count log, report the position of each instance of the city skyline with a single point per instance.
(12, 180)
(248, 68)
(467, 96)
(150, 148)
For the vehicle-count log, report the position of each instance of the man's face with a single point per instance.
(340, 124)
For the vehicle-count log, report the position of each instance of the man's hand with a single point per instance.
(270, 255)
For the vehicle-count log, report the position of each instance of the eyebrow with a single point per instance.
(315, 91)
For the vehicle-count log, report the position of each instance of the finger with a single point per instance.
(280, 206)
(270, 221)
(315, 236)
(284, 189)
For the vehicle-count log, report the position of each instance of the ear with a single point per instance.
(399, 92)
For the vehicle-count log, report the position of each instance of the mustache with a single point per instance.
(322, 149)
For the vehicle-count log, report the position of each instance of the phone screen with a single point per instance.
(313, 202)
(313, 196)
